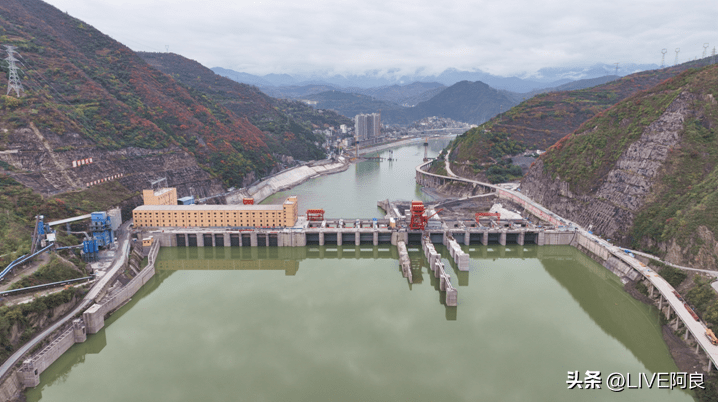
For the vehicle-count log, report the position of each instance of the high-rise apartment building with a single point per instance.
(367, 126)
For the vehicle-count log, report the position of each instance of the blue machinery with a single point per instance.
(101, 226)
(23, 259)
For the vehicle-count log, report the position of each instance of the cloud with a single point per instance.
(502, 37)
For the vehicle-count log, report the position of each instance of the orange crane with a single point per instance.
(418, 216)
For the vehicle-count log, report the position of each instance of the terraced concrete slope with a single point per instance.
(643, 172)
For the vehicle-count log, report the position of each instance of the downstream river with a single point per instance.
(341, 324)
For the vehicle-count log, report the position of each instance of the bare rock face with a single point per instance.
(44, 162)
(611, 207)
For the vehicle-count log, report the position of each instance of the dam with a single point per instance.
(339, 322)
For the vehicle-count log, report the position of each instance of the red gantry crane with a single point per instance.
(315, 215)
(418, 216)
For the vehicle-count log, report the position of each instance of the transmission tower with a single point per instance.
(705, 50)
(663, 58)
(13, 80)
(616, 68)
(675, 63)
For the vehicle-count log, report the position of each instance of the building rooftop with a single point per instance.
(161, 191)
(192, 208)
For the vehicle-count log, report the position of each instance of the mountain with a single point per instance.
(543, 78)
(397, 94)
(297, 92)
(88, 96)
(352, 104)
(539, 122)
(571, 86)
(242, 77)
(594, 71)
(276, 118)
(643, 172)
(403, 94)
(468, 102)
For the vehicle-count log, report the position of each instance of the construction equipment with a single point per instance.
(691, 312)
(494, 214)
(711, 336)
(418, 216)
(315, 215)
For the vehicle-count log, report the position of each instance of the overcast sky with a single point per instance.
(503, 37)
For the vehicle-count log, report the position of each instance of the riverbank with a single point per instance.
(58, 339)
(287, 179)
(293, 177)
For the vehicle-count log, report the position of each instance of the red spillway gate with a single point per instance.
(315, 215)
(418, 218)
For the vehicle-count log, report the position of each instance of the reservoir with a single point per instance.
(341, 324)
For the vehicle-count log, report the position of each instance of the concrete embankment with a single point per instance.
(93, 319)
(287, 179)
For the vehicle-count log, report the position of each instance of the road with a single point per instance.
(697, 328)
(123, 250)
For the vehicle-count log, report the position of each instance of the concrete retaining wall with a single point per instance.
(285, 180)
(11, 387)
(94, 316)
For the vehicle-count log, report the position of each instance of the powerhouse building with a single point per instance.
(162, 196)
(367, 126)
(267, 216)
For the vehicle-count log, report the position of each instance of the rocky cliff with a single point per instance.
(642, 172)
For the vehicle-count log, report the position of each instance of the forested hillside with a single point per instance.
(287, 123)
(643, 172)
(79, 80)
(539, 122)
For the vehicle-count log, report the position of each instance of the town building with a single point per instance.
(367, 126)
(267, 216)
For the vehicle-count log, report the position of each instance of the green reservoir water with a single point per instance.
(341, 324)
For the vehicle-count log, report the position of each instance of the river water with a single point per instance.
(341, 324)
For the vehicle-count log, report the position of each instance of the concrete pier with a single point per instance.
(404, 261)
(439, 271)
(460, 257)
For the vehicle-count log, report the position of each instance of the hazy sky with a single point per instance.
(503, 37)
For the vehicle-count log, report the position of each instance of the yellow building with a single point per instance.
(162, 196)
(272, 216)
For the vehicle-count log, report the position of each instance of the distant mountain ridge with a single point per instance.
(543, 78)
(539, 122)
(468, 102)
